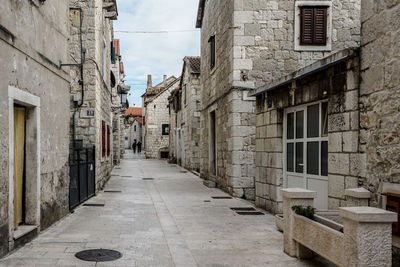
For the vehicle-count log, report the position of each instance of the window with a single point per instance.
(103, 139)
(134, 128)
(313, 22)
(184, 94)
(165, 129)
(108, 141)
(211, 41)
(313, 25)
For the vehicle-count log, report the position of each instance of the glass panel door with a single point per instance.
(306, 150)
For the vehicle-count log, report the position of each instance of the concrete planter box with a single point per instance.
(279, 222)
(365, 239)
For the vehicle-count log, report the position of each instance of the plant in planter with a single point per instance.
(304, 211)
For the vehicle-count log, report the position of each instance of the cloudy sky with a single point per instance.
(155, 53)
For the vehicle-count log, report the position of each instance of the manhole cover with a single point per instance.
(250, 213)
(98, 255)
(243, 208)
(112, 191)
(222, 197)
(147, 179)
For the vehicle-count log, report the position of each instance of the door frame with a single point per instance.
(304, 175)
(32, 158)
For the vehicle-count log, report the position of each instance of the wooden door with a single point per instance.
(19, 153)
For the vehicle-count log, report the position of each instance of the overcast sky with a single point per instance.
(155, 54)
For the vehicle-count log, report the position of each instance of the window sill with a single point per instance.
(313, 48)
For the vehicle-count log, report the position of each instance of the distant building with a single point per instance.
(133, 130)
(185, 106)
(156, 112)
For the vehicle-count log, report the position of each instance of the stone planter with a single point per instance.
(366, 239)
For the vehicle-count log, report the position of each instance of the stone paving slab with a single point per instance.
(160, 222)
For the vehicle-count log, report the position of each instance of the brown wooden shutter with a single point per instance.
(306, 35)
(108, 141)
(320, 25)
(103, 139)
(313, 23)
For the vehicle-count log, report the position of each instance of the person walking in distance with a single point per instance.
(134, 146)
(139, 147)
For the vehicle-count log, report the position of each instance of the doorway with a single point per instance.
(19, 165)
(306, 150)
(213, 143)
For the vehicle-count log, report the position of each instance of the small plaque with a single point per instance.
(90, 112)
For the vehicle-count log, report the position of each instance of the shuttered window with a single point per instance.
(212, 51)
(108, 141)
(103, 139)
(313, 26)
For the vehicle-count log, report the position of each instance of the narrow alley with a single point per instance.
(158, 214)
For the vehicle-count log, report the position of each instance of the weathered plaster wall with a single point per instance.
(380, 94)
(33, 38)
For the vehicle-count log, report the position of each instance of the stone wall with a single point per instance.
(97, 91)
(28, 62)
(157, 114)
(191, 118)
(340, 84)
(264, 41)
(380, 95)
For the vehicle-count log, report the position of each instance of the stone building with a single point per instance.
(133, 130)
(119, 101)
(91, 91)
(156, 126)
(379, 134)
(244, 45)
(34, 118)
(185, 105)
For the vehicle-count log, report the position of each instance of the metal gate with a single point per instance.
(82, 175)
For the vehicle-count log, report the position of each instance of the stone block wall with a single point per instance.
(97, 96)
(380, 95)
(345, 169)
(191, 116)
(264, 38)
(157, 113)
(28, 62)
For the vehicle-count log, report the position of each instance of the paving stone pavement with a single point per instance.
(169, 221)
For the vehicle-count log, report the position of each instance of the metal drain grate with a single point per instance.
(249, 213)
(222, 197)
(147, 179)
(112, 191)
(118, 168)
(126, 176)
(183, 171)
(243, 209)
(93, 205)
(207, 200)
(98, 255)
(114, 175)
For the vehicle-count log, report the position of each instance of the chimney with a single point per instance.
(149, 81)
(165, 80)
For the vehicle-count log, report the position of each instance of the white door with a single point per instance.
(306, 150)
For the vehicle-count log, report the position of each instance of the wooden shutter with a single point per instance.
(313, 24)
(108, 140)
(320, 25)
(103, 139)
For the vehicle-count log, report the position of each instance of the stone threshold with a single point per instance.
(23, 230)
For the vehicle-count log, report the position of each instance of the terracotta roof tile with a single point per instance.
(134, 111)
